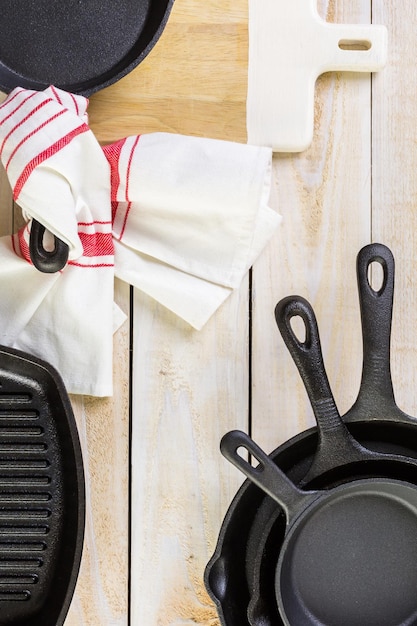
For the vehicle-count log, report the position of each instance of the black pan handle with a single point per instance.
(47, 261)
(266, 475)
(306, 353)
(376, 395)
(336, 445)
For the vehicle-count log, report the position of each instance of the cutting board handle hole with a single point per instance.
(355, 44)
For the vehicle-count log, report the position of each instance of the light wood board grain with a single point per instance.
(394, 185)
(102, 592)
(193, 82)
(188, 387)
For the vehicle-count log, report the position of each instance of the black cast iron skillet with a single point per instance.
(42, 497)
(338, 457)
(349, 556)
(81, 46)
(252, 528)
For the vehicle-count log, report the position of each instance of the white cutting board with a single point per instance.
(290, 46)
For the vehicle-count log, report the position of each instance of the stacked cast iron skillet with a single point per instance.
(324, 531)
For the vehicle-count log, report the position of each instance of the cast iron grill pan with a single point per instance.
(78, 45)
(42, 498)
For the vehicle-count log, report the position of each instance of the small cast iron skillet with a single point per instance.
(349, 556)
(338, 453)
(239, 572)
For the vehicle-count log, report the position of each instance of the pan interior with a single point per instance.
(72, 42)
(352, 559)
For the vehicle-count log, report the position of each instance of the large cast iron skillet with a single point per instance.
(239, 573)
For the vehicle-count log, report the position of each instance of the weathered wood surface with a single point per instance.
(324, 195)
(357, 183)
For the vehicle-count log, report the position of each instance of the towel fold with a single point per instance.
(181, 218)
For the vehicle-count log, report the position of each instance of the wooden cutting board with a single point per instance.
(193, 82)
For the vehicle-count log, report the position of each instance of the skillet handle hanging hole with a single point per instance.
(375, 269)
(243, 453)
(377, 276)
(237, 448)
(299, 328)
(297, 323)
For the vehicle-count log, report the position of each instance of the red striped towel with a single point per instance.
(181, 218)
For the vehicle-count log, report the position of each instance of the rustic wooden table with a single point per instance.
(157, 486)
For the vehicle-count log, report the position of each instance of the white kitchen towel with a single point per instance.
(192, 218)
(182, 218)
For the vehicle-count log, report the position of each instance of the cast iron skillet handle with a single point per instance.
(308, 357)
(266, 475)
(376, 391)
(47, 261)
(336, 445)
(307, 354)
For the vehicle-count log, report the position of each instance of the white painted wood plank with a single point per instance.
(324, 196)
(189, 388)
(394, 185)
(101, 595)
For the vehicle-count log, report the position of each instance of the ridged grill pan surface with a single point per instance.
(42, 498)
